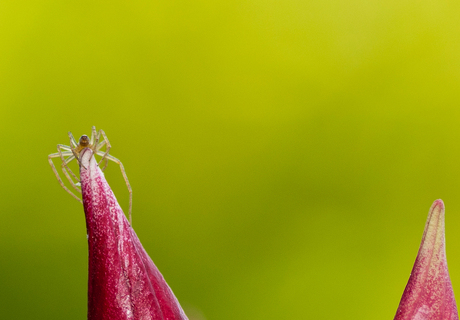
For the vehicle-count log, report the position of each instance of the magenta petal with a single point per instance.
(123, 282)
(429, 294)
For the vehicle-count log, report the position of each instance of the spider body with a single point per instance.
(83, 143)
(72, 152)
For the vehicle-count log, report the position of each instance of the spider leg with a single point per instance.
(73, 145)
(106, 163)
(126, 180)
(65, 169)
(66, 161)
(99, 146)
(55, 155)
(64, 147)
(106, 154)
(93, 136)
(73, 142)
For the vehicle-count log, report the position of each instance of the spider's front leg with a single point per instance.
(73, 145)
(73, 142)
(105, 156)
(94, 135)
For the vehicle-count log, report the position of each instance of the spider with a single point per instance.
(73, 152)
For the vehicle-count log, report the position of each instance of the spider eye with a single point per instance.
(84, 140)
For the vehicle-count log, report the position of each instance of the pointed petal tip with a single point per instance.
(438, 204)
(85, 157)
(428, 293)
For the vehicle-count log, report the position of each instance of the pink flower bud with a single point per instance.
(123, 282)
(428, 294)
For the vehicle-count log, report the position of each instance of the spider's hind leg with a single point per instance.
(56, 155)
(66, 169)
(106, 163)
(73, 155)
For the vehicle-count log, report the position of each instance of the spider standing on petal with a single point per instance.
(73, 152)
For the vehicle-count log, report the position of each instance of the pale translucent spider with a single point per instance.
(73, 152)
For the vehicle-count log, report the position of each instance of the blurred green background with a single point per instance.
(283, 155)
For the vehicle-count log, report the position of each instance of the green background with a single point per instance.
(283, 155)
